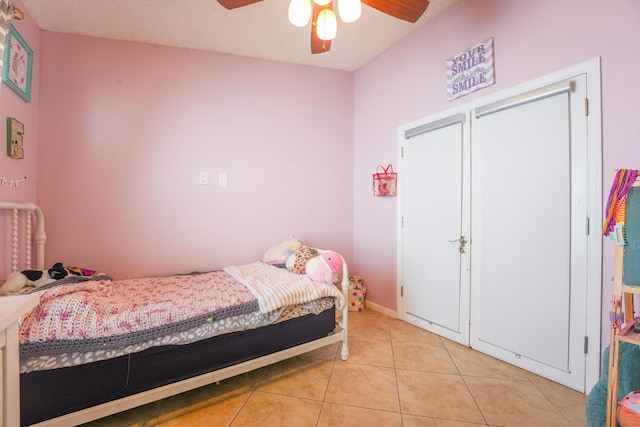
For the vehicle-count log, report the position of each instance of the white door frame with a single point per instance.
(594, 195)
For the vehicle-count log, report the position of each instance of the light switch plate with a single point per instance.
(204, 178)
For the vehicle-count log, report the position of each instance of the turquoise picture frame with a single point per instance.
(18, 64)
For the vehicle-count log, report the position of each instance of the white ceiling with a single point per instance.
(260, 30)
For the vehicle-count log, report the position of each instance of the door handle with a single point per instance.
(463, 241)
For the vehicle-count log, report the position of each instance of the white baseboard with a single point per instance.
(380, 309)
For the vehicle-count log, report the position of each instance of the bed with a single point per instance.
(86, 353)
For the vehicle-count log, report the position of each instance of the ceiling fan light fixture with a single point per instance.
(300, 12)
(16, 13)
(349, 10)
(326, 25)
(322, 2)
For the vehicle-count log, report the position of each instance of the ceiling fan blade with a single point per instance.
(318, 45)
(407, 10)
(232, 4)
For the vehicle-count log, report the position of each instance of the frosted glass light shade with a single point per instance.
(300, 12)
(349, 10)
(322, 2)
(327, 25)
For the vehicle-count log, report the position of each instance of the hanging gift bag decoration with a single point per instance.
(385, 181)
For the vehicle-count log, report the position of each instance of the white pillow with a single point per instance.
(279, 253)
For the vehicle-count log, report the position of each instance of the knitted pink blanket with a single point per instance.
(94, 315)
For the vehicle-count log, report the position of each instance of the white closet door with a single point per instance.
(434, 272)
(529, 241)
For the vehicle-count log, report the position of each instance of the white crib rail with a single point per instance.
(27, 210)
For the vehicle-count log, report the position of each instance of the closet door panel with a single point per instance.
(436, 294)
(524, 228)
(528, 285)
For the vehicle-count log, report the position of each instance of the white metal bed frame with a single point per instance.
(27, 210)
(90, 414)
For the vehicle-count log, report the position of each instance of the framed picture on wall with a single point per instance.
(15, 137)
(18, 62)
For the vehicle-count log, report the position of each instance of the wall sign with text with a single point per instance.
(470, 70)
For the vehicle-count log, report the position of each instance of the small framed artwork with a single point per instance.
(18, 61)
(15, 135)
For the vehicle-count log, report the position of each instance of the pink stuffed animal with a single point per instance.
(629, 410)
(324, 268)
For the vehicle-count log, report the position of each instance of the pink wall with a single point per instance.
(126, 128)
(11, 105)
(531, 39)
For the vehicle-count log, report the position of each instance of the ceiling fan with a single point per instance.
(323, 19)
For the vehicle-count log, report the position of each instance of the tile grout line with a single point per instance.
(395, 371)
(559, 410)
(253, 388)
(464, 381)
(326, 390)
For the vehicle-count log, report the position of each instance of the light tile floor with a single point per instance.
(396, 375)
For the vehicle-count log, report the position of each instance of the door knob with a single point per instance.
(463, 241)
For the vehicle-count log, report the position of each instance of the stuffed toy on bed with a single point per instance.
(297, 263)
(324, 268)
(278, 254)
(33, 278)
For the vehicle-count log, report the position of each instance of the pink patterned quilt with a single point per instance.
(97, 315)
